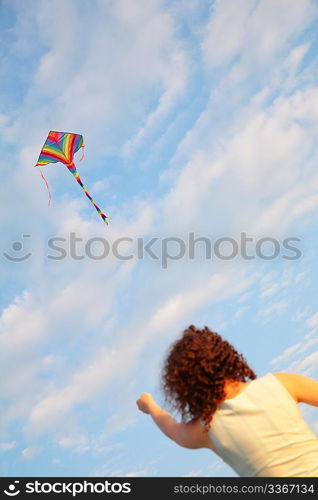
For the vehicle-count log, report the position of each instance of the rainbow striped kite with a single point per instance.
(61, 147)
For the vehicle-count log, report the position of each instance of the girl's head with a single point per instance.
(195, 372)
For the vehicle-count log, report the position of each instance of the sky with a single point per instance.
(200, 121)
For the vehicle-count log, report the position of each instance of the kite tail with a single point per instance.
(47, 186)
(73, 170)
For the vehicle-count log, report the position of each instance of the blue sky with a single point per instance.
(198, 117)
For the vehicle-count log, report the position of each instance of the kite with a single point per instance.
(61, 147)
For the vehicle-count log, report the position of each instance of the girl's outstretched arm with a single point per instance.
(302, 389)
(190, 435)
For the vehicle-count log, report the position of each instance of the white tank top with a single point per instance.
(261, 432)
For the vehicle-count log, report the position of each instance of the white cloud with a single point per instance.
(301, 276)
(296, 57)
(270, 291)
(307, 365)
(226, 17)
(3, 119)
(91, 54)
(21, 325)
(301, 314)
(219, 286)
(286, 354)
(258, 30)
(79, 443)
(312, 322)
(119, 422)
(262, 151)
(274, 308)
(95, 374)
(30, 452)
(300, 357)
(175, 88)
(83, 385)
(136, 473)
(193, 473)
(8, 446)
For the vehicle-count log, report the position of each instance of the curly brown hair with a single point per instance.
(195, 372)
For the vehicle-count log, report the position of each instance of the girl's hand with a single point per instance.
(144, 402)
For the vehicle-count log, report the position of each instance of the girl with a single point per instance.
(253, 424)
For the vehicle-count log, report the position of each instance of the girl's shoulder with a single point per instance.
(288, 381)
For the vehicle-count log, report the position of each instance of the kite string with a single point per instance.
(47, 186)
